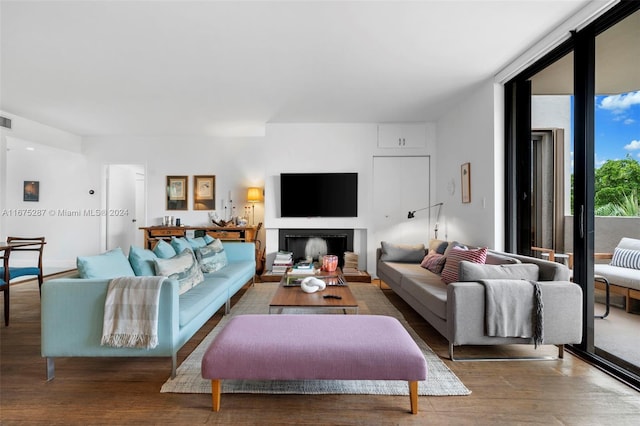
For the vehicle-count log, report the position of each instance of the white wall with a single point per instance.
(239, 163)
(473, 132)
(54, 159)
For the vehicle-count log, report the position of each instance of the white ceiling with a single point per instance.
(216, 68)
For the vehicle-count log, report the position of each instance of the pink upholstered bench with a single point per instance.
(310, 347)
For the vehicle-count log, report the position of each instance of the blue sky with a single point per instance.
(617, 127)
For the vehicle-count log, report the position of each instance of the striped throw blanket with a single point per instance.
(131, 312)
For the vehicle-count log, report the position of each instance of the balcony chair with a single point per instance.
(9, 273)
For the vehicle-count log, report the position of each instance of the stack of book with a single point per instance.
(350, 261)
(282, 262)
(303, 268)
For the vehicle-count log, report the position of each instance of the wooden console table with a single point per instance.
(152, 234)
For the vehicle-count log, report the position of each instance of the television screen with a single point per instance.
(319, 194)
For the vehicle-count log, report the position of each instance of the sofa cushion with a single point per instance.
(194, 301)
(212, 257)
(450, 271)
(626, 258)
(429, 290)
(434, 262)
(402, 252)
(111, 264)
(182, 267)
(452, 245)
(164, 250)
(438, 246)
(469, 271)
(494, 258)
(196, 242)
(141, 261)
(623, 277)
(180, 244)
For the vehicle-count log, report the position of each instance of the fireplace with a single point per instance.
(316, 242)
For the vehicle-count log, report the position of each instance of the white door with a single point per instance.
(123, 205)
(400, 185)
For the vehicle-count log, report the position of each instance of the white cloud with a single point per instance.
(629, 121)
(618, 103)
(632, 146)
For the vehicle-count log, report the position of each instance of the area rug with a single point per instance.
(441, 381)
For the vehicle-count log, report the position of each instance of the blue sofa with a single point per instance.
(73, 310)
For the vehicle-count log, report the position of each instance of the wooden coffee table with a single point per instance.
(293, 297)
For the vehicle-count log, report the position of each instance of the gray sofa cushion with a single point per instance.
(429, 290)
(469, 271)
(624, 277)
(402, 252)
(494, 258)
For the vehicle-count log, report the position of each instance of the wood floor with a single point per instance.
(127, 390)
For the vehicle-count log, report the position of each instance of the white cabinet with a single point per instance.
(402, 135)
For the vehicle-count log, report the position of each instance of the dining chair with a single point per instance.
(4, 283)
(35, 244)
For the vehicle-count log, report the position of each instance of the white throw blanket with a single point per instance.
(131, 312)
(514, 308)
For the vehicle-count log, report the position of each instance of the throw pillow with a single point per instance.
(212, 257)
(438, 246)
(208, 239)
(452, 245)
(626, 258)
(180, 244)
(196, 242)
(164, 250)
(450, 271)
(402, 252)
(141, 261)
(469, 271)
(434, 262)
(111, 264)
(182, 267)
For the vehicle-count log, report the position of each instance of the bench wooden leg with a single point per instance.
(216, 387)
(413, 394)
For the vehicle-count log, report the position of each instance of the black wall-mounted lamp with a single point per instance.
(412, 214)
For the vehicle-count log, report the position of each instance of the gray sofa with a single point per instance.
(457, 309)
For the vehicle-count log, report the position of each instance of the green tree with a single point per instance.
(617, 182)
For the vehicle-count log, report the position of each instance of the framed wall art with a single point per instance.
(177, 190)
(465, 186)
(204, 192)
(31, 190)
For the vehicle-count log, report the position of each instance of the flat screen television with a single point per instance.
(319, 194)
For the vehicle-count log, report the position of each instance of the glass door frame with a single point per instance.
(518, 168)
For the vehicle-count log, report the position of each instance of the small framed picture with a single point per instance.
(465, 176)
(177, 189)
(204, 192)
(31, 190)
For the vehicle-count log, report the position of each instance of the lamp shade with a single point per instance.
(254, 195)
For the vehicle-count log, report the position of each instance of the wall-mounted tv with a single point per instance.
(318, 194)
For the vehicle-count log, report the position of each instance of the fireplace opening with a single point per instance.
(315, 243)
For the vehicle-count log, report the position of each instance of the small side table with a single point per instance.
(604, 280)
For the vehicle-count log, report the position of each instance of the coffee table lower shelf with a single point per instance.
(351, 277)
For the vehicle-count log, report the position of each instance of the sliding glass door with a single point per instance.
(573, 145)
